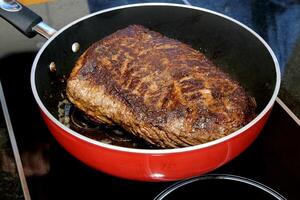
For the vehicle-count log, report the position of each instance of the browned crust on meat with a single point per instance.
(158, 88)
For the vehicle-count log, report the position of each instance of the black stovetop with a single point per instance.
(51, 173)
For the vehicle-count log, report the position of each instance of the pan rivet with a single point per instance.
(75, 47)
(52, 67)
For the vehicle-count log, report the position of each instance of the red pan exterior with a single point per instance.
(156, 166)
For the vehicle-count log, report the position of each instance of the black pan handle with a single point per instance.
(24, 19)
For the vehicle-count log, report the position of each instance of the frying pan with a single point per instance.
(231, 45)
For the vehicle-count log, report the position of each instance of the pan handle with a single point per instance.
(24, 19)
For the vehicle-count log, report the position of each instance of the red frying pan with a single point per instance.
(231, 45)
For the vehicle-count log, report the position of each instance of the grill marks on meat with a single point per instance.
(157, 88)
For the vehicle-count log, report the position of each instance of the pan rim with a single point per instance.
(156, 151)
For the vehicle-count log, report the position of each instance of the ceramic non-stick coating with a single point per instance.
(227, 44)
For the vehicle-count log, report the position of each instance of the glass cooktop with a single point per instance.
(51, 173)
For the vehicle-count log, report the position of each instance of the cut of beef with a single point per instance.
(157, 88)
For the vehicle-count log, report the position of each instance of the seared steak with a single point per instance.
(157, 88)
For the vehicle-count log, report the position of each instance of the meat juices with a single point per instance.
(157, 88)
